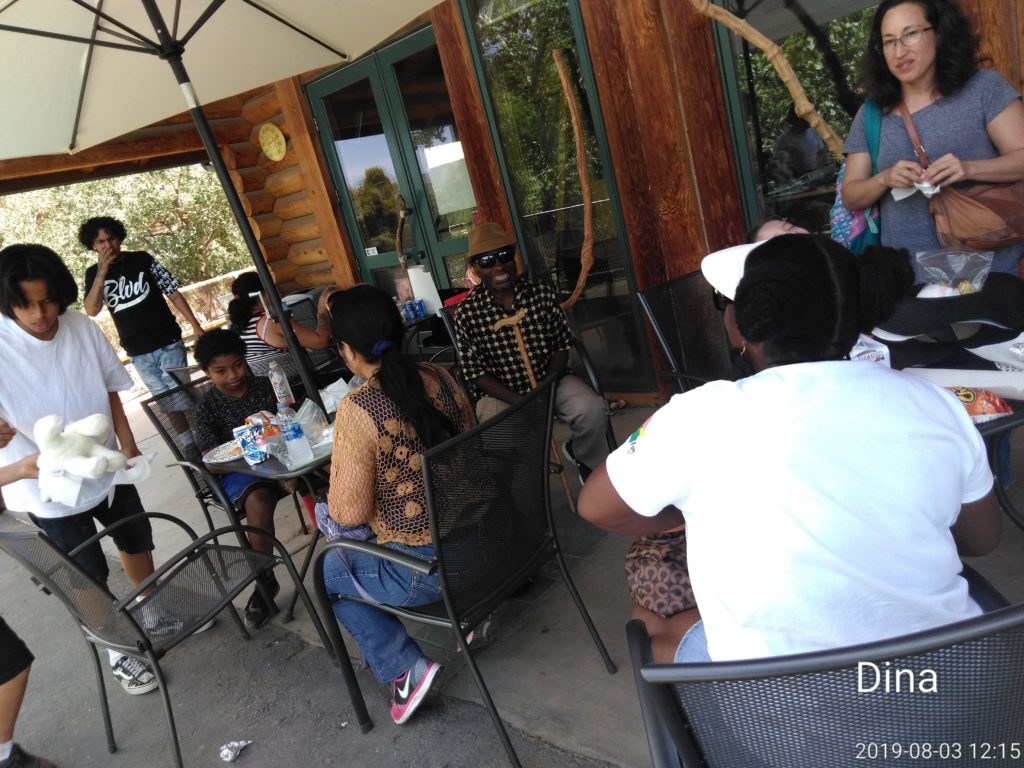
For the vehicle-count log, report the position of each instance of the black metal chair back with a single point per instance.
(172, 413)
(689, 330)
(189, 588)
(491, 524)
(90, 603)
(490, 516)
(949, 695)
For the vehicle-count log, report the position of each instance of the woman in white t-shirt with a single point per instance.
(825, 500)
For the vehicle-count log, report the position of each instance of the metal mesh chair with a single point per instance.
(491, 528)
(843, 707)
(689, 330)
(191, 587)
(173, 413)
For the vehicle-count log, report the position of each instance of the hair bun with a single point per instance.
(885, 277)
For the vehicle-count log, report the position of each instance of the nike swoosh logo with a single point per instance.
(403, 688)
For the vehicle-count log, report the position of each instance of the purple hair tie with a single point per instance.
(380, 347)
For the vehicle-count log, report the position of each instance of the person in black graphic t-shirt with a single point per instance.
(136, 288)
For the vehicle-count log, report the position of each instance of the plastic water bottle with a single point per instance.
(279, 381)
(296, 444)
(271, 442)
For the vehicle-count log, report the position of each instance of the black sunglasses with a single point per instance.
(488, 260)
(720, 300)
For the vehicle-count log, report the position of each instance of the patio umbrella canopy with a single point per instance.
(77, 73)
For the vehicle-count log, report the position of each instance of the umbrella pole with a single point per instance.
(172, 54)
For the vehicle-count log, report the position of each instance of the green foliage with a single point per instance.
(516, 41)
(848, 36)
(375, 204)
(180, 215)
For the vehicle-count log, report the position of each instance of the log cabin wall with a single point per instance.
(1000, 28)
(660, 91)
(288, 202)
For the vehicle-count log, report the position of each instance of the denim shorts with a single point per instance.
(68, 532)
(238, 485)
(15, 657)
(152, 366)
(693, 648)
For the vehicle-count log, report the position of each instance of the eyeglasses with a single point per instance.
(488, 260)
(720, 300)
(909, 39)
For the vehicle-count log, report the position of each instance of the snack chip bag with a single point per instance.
(981, 404)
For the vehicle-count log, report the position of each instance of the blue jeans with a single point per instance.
(386, 646)
(152, 366)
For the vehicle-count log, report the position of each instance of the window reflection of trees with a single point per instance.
(374, 201)
(823, 40)
(516, 39)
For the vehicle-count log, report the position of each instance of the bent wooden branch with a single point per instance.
(774, 54)
(513, 322)
(587, 250)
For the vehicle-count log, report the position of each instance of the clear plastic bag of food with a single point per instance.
(313, 422)
(962, 271)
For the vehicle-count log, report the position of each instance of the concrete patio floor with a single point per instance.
(280, 690)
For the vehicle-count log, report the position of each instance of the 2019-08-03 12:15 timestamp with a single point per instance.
(946, 750)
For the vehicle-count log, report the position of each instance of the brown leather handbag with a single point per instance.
(981, 217)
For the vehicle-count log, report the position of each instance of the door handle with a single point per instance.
(403, 212)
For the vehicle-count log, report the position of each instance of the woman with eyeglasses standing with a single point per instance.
(922, 57)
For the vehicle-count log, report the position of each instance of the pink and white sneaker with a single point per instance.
(409, 690)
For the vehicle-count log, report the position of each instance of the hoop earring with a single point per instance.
(743, 349)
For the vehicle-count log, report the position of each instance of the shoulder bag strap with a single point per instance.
(915, 139)
(873, 131)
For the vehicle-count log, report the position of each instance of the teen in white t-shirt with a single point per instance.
(824, 499)
(58, 362)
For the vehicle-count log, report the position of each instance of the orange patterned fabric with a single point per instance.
(376, 467)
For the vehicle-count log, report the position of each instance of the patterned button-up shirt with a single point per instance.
(484, 350)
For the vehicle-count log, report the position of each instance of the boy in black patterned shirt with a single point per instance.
(236, 394)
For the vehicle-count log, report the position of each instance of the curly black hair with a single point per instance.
(807, 298)
(213, 344)
(90, 230)
(28, 261)
(956, 59)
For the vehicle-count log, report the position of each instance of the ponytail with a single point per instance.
(366, 319)
(241, 305)
(885, 277)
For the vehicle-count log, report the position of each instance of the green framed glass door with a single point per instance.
(389, 136)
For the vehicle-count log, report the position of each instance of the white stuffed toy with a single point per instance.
(78, 451)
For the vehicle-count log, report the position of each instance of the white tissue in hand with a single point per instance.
(77, 451)
(928, 190)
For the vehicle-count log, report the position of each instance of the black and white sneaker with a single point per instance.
(19, 758)
(257, 611)
(582, 470)
(134, 675)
